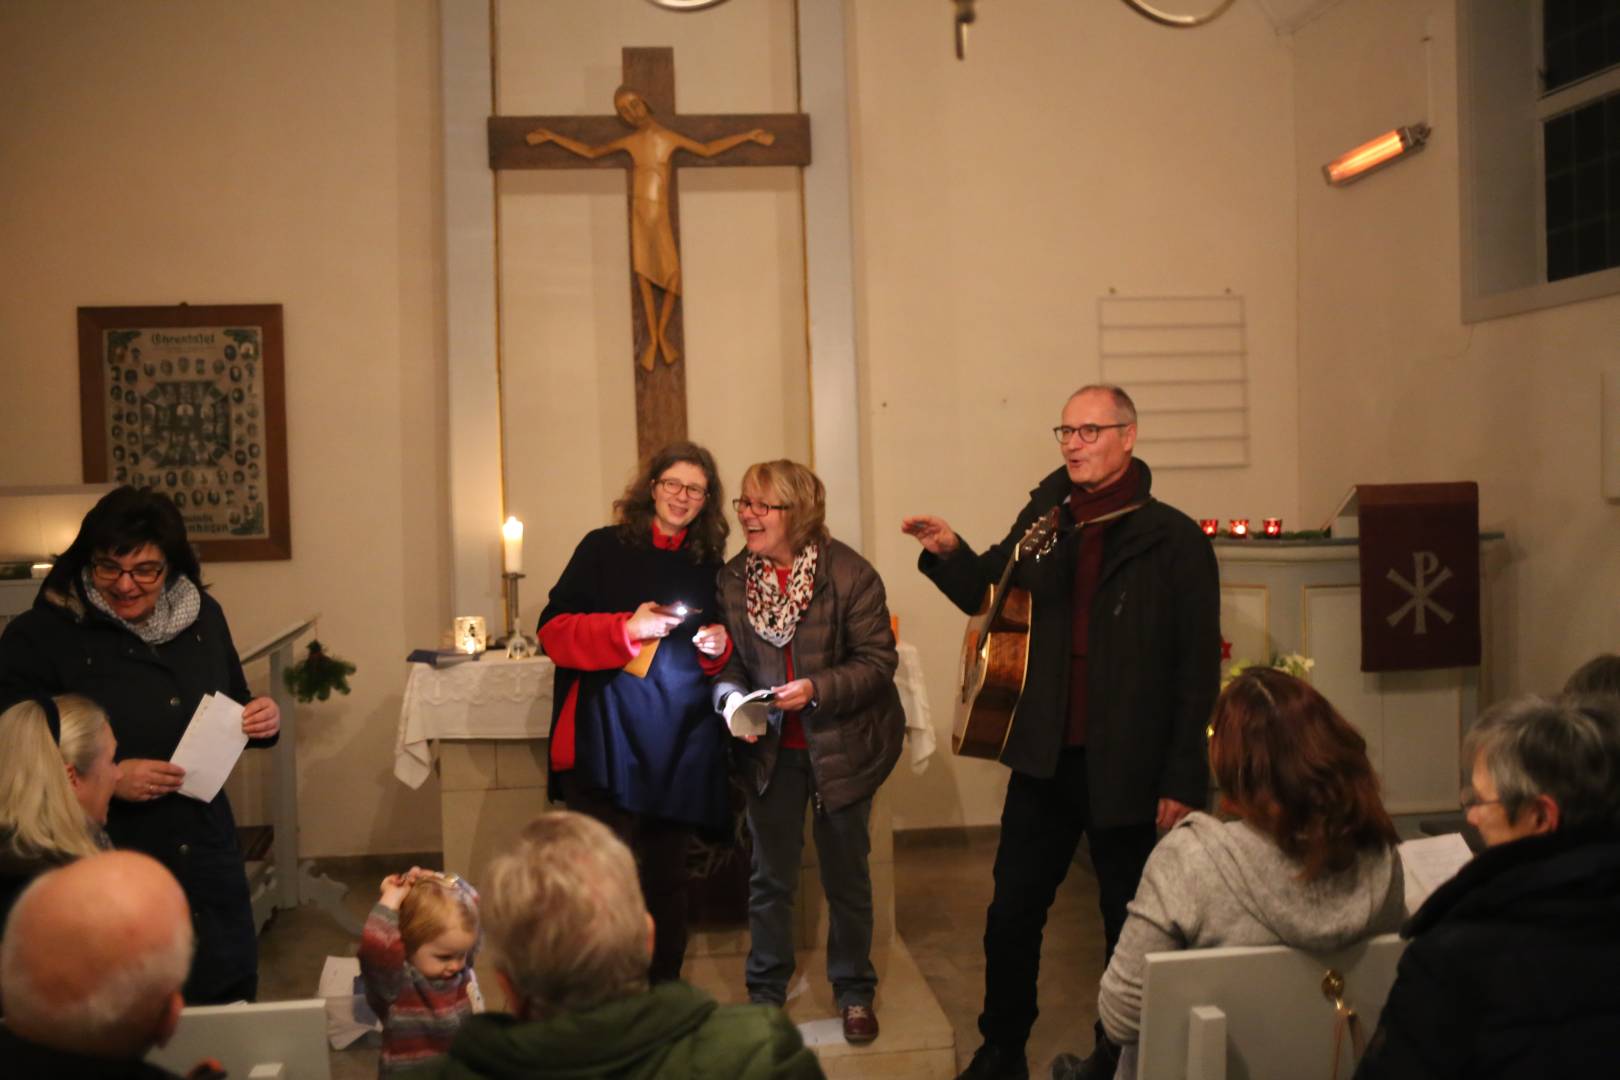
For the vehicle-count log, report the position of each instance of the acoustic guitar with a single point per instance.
(995, 653)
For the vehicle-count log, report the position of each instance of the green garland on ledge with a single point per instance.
(318, 674)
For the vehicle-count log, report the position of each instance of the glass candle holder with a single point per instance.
(1238, 528)
(1211, 526)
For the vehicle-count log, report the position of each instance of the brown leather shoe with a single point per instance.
(860, 1024)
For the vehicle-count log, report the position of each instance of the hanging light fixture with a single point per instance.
(1178, 20)
(1375, 154)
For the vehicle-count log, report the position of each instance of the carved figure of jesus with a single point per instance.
(653, 255)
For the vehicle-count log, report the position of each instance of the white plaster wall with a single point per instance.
(1078, 149)
(564, 273)
(1393, 386)
(236, 153)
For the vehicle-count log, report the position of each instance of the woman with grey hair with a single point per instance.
(1511, 964)
(570, 937)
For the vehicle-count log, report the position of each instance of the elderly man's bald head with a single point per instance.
(94, 956)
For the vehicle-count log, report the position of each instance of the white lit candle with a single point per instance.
(512, 541)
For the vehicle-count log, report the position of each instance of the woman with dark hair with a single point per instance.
(629, 624)
(122, 618)
(810, 623)
(1307, 860)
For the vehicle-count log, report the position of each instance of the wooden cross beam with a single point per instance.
(644, 137)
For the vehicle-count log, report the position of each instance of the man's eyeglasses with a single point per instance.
(672, 487)
(1088, 432)
(761, 508)
(107, 572)
(1469, 800)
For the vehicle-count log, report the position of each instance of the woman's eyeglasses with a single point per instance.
(107, 572)
(743, 503)
(672, 487)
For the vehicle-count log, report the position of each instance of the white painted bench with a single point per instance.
(276, 1040)
(1259, 1013)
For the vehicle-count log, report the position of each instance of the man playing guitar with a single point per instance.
(1107, 739)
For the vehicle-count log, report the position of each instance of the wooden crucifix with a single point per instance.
(645, 105)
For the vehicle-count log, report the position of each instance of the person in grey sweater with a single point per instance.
(1308, 861)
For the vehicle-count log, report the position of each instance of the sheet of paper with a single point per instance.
(748, 715)
(1429, 863)
(348, 1017)
(210, 746)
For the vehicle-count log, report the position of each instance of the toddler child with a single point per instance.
(416, 956)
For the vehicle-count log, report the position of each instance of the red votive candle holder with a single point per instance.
(1273, 527)
(1238, 527)
(1211, 526)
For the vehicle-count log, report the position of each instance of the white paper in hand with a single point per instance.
(749, 714)
(210, 746)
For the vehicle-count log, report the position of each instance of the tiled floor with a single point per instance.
(942, 889)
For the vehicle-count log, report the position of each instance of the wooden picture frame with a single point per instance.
(189, 401)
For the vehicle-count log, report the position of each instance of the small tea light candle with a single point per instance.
(1211, 526)
(1273, 527)
(1238, 527)
(512, 543)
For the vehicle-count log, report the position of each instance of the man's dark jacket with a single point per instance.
(1155, 650)
(1511, 968)
(21, 1058)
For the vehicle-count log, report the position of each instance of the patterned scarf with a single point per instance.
(773, 614)
(176, 609)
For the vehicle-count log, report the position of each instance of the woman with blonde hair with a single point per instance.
(57, 775)
(809, 622)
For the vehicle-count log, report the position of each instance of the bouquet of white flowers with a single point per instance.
(1295, 664)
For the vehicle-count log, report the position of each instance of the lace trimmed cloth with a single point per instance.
(497, 698)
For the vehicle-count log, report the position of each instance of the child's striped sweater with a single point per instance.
(420, 1016)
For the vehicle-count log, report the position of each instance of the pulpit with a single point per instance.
(1304, 596)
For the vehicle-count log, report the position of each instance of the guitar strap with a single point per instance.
(1110, 516)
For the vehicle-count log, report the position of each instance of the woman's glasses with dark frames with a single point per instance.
(107, 572)
(742, 503)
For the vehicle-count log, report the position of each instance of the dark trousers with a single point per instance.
(660, 848)
(1041, 825)
(776, 822)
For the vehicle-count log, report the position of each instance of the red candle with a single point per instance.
(1238, 527)
(1273, 526)
(1211, 526)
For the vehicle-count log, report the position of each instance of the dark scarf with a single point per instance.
(1086, 506)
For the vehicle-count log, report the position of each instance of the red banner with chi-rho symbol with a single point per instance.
(1419, 576)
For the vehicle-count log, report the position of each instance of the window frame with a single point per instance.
(1489, 146)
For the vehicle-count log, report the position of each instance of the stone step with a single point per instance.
(916, 1040)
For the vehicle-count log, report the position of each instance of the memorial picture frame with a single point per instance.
(190, 401)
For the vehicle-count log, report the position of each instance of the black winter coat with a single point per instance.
(653, 744)
(1155, 651)
(64, 645)
(845, 646)
(1510, 972)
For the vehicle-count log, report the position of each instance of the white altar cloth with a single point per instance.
(497, 698)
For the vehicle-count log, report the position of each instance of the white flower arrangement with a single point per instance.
(1296, 664)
